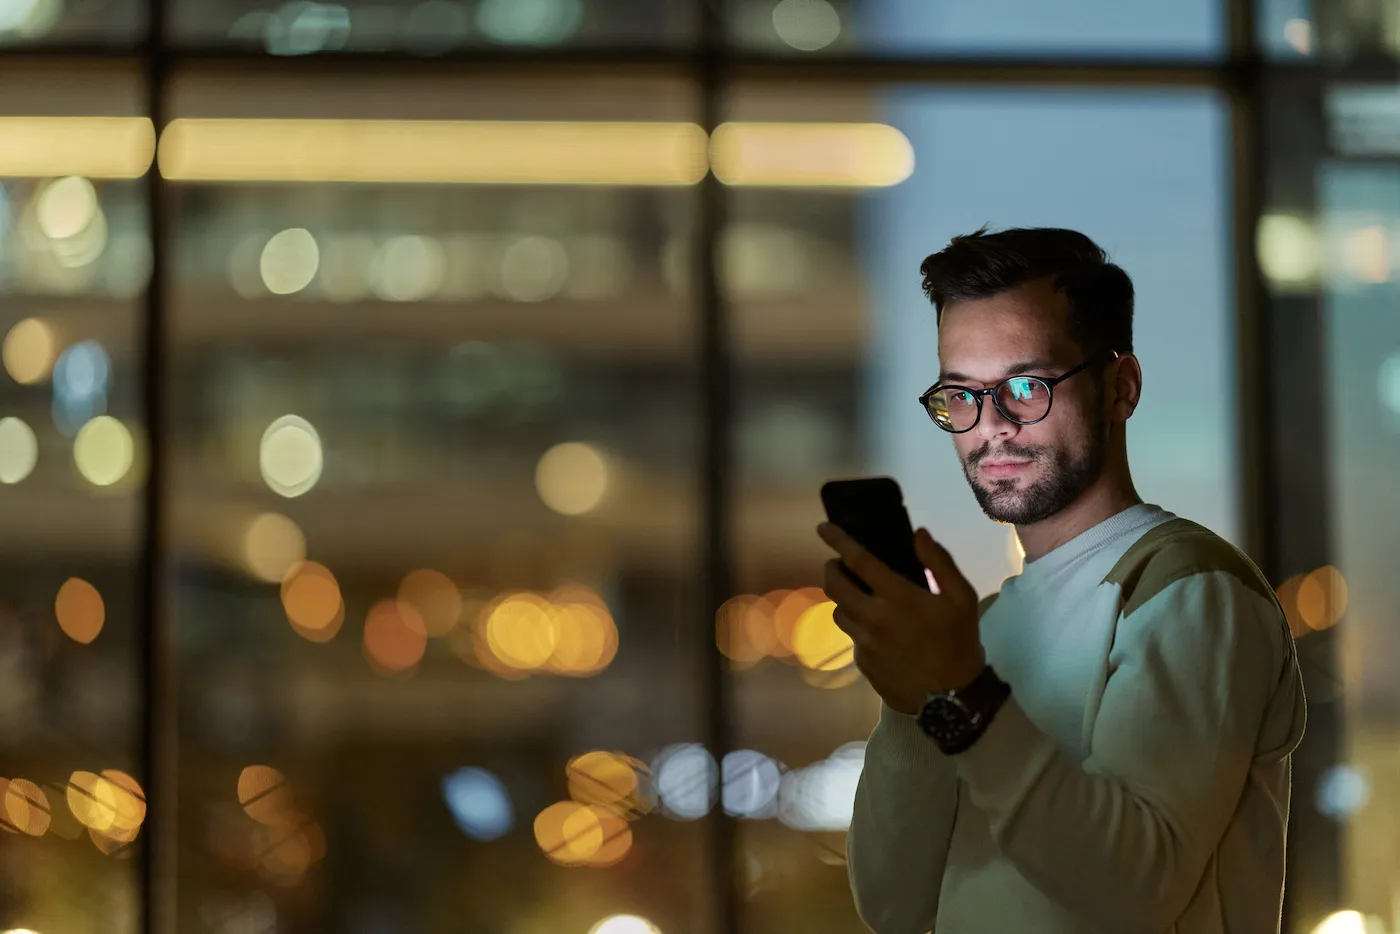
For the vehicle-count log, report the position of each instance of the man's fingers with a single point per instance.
(935, 557)
(843, 591)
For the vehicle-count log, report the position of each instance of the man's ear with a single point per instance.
(1126, 388)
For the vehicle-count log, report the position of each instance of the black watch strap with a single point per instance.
(956, 719)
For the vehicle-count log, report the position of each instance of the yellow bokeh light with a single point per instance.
(521, 630)
(1343, 922)
(19, 450)
(26, 807)
(80, 610)
(290, 456)
(395, 637)
(789, 607)
(1322, 598)
(272, 546)
(97, 147)
(103, 451)
(436, 598)
(130, 801)
(289, 261)
(572, 478)
(1288, 599)
(264, 794)
(818, 642)
(811, 155)
(65, 207)
(624, 924)
(93, 800)
(569, 833)
(744, 629)
(1366, 254)
(312, 601)
(617, 839)
(29, 352)
(603, 778)
(585, 639)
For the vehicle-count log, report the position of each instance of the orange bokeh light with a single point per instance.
(312, 600)
(264, 794)
(744, 629)
(80, 610)
(395, 637)
(436, 598)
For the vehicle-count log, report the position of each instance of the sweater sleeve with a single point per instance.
(906, 801)
(1123, 840)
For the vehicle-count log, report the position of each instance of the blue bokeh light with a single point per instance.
(479, 803)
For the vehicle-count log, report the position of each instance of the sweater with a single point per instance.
(1137, 779)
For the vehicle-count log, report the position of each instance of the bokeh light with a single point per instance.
(272, 545)
(687, 780)
(568, 832)
(290, 456)
(479, 802)
(1343, 922)
(81, 373)
(1342, 791)
(606, 779)
(744, 630)
(26, 807)
(264, 794)
(65, 207)
(572, 478)
(436, 598)
(1366, 254)
(1290, 254)
(395, 638)
(533, 269)
(289, 261)
(789, 605)
(93, 800)
(818, 642)
(80, 610)
(749, 783)
(312, 601)
(624, 924)
(104, 451)
(586, 637)
(617, 839)
(408, 269)
(806, 25)
(1288, 598)
(521, 630)
(529, 22)
(19, 450)
(29, 351)
(1322, 598)
(821, 796)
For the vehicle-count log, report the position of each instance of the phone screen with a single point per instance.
(871, 510)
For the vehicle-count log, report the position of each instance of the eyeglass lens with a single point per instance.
(1021, 399)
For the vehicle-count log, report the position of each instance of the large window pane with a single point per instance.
(835, 341)
(436, 449)
(74, 259)
(1114, 28)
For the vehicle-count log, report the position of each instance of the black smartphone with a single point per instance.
(871, 510)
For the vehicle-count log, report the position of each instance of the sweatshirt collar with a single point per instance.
(1091, 539)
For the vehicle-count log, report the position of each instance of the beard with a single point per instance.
(1065, 476)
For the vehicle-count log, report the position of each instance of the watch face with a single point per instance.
(945, 720)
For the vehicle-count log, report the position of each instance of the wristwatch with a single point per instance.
(956, 719)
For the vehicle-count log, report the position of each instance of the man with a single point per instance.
(1107, 748)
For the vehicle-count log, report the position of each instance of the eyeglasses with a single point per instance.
(1024, 400)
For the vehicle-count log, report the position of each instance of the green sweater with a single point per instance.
(1137, 779)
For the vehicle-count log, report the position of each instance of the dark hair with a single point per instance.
(981, 264)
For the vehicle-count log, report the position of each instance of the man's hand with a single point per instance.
(909, 642)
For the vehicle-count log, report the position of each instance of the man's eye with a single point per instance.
(962, 398)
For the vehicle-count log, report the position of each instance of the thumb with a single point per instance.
(936, 558)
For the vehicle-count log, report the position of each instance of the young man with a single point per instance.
(1105, 744)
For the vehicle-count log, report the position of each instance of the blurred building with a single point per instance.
(413, 415)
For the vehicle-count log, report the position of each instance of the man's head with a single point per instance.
(1034, 302)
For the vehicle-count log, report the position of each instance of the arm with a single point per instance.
(1124, 839)
(903, 821)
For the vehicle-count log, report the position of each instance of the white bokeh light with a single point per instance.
(750, 783)
(289, 261)
(685, 779)
(533, 269)
(1342, 791)
(807, 25)
(1388, 383)
(624, 924)
(822, 795)
(19, 450)
(290, 456)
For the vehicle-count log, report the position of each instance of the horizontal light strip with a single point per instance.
(811, 155)
(803, 155)
(97, 147)
(501, 153)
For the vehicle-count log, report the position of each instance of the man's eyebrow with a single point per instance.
(1016, 369)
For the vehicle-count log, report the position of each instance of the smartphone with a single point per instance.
(871, 510)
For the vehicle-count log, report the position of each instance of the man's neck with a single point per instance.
(1100, 502)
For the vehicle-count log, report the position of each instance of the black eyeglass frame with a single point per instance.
(1104, 356)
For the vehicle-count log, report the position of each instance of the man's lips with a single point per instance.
(1003, 468)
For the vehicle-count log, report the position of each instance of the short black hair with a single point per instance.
(982, 264)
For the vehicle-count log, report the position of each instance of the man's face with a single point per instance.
(1023, 474)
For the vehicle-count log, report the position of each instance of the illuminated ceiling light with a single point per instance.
(95, 147)
(572, 478)
(19, 450)
(441, 152)
(811, 155)
(272, 546)
(104, 451)
(807, 25)
(29, 351)
(290, 456)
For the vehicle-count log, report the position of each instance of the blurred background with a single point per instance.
(413, 412)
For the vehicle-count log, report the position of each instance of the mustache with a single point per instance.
(1023, 452)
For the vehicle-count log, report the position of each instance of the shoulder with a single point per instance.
(1174, 551)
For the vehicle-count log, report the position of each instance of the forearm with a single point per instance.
(901, 827)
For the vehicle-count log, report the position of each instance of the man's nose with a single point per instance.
(993, 424)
